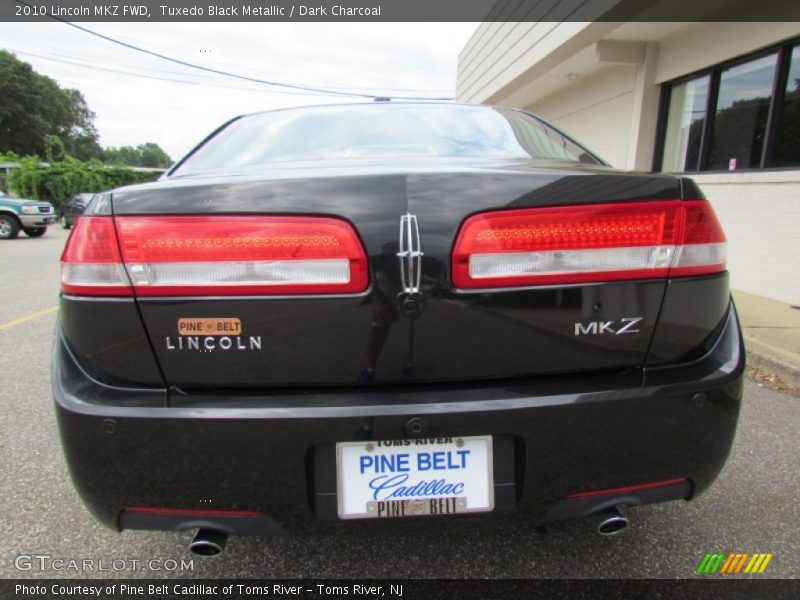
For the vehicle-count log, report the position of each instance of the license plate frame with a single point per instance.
(475, 463)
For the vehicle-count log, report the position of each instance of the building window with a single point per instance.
(740, 115)
(786, 151)
(740, 119)
(687, 115)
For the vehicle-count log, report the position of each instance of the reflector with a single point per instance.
(627, 489)
(193, 512)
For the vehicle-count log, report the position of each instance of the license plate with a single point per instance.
(409, 478)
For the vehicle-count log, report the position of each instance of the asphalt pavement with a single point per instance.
(751, 508)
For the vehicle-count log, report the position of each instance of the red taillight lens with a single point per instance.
(581, 244)
(702, 248)
(91, 263)
(232, 255)
(214, 255)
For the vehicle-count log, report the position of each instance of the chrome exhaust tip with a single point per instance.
(610, 522)
(208, 542)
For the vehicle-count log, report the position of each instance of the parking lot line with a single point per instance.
(36, 315)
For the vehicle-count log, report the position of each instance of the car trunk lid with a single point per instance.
(395, 332)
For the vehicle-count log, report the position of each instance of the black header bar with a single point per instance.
(399, 589)
(255, 11)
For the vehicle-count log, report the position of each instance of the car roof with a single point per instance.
(379, 101)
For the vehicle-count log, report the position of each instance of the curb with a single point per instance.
(770, 359)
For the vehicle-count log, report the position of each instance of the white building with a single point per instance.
(719, 101)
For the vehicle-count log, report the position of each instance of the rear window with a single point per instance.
(381, 130)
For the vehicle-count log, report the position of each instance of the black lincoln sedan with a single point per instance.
(340, 316)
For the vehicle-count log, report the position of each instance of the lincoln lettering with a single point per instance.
(210, 343)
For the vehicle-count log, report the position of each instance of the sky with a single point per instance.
(139, 98)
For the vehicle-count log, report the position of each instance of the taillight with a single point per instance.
(702, 248)
(91, 263)
(591, 243)
(229, 255)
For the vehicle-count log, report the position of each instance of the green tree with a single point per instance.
(54, 148)
(33, 106)
(143, 155)
(154, 156)
(65, 178)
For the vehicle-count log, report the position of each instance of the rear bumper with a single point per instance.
(270, 458)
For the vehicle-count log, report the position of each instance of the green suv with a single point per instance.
(31, 216)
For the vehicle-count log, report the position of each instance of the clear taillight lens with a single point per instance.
(218, 255)
(591, 243)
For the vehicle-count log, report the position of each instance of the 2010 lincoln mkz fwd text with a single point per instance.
(333, 317)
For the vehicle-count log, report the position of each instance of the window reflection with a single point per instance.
(687, 112)
(740, 122)
(372, 131)
(786, 151)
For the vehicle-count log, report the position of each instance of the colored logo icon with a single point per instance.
(733, 563)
